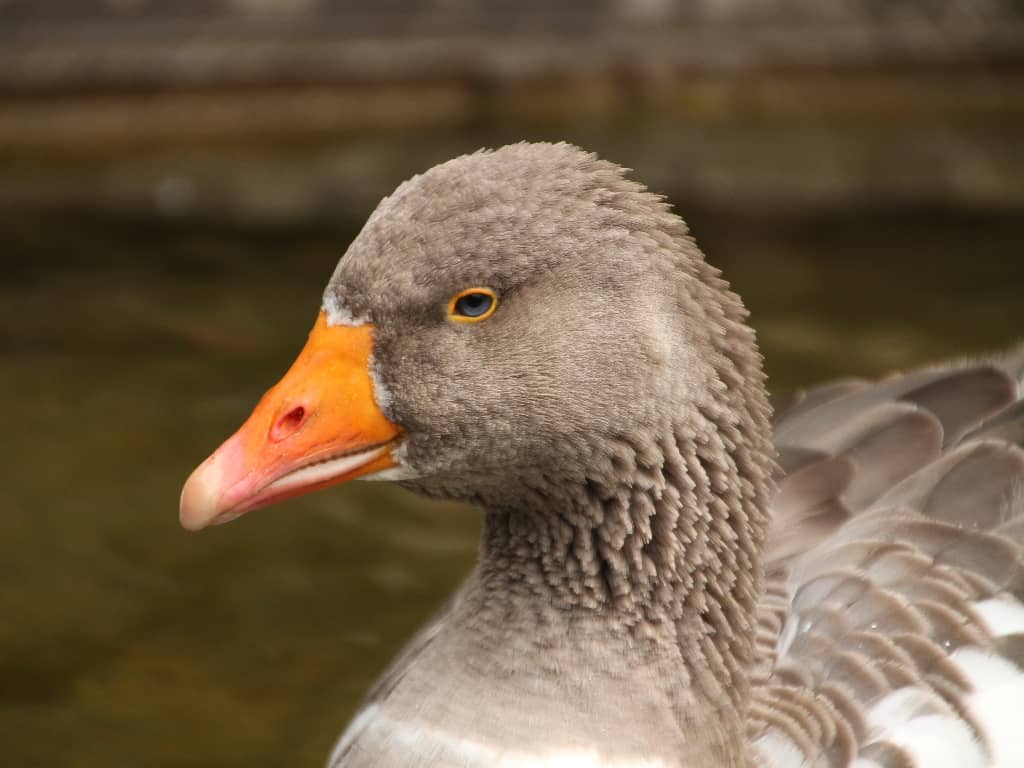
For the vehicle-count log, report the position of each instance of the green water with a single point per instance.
(129, 350)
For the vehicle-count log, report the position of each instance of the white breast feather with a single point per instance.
(422, 739)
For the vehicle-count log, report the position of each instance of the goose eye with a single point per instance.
(472, 305)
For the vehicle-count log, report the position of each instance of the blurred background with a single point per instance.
(178, 179)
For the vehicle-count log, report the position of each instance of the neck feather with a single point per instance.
(665, 542)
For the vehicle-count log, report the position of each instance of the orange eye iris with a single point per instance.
(472, 305)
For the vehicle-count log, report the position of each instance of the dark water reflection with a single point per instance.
(129, 350)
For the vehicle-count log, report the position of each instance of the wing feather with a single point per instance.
(895, 568)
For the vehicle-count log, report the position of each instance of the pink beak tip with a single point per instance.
(200, 502)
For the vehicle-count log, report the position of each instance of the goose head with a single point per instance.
(513, 328)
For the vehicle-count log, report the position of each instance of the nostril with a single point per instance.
(288, 424)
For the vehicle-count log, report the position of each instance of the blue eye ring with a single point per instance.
(472, 305)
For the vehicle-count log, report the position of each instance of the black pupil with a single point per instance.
(473, 304)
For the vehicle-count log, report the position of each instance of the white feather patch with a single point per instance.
(338, 314)
(937, 741)
(920, 723)
(1002, 615)
(996, 703)
(905, 704)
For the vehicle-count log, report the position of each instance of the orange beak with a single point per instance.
(319, 426)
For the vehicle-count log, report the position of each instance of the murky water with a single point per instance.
(129, 350)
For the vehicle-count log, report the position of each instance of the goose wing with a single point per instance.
(891, 633)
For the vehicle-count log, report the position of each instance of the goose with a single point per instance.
(670, 574)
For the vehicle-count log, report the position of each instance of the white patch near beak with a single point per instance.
(338, 314)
